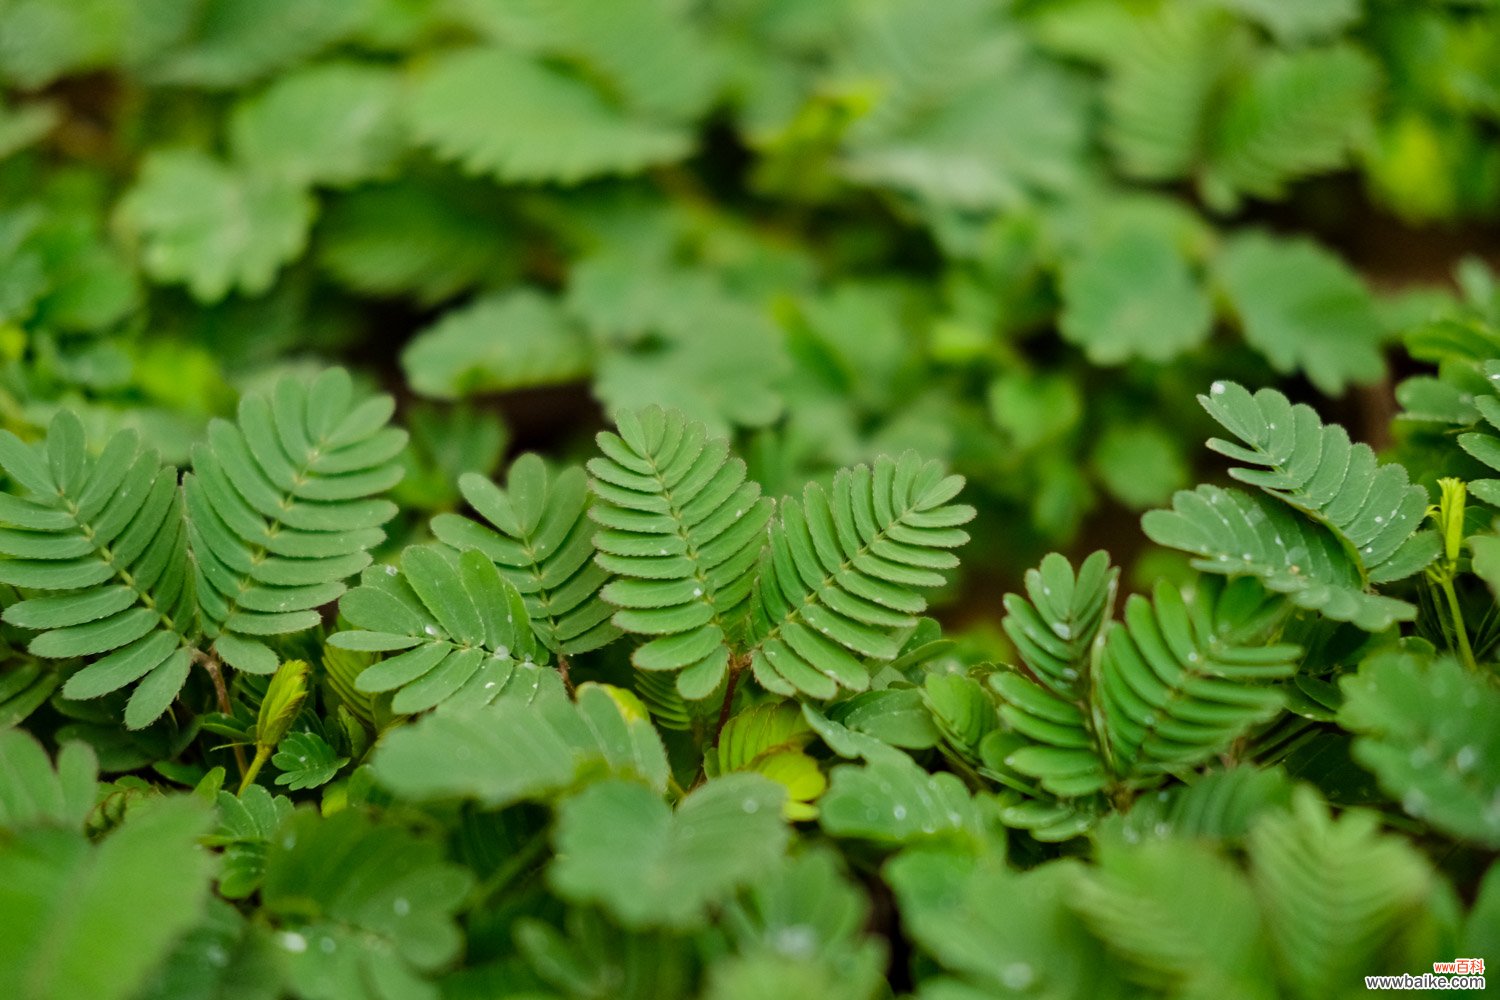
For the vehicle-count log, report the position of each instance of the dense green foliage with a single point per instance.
(517, 498)
(1268, 778)
(834, 228)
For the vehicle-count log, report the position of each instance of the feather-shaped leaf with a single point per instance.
(536, 533)
(844, 570)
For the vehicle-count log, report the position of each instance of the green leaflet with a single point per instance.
(681, 528)
(518, 748)
(1482, 444)
(890, 800)
(1220, 805)
(1295, 457)
(105, 540)
(1339, 896)
(536, 533)
(1235, 534)
(1439, 763)
(1183, 915)
(799, 925)
(1054, 626)
(590, 956)
(669, 69)
(33, 793)
(305, 760)
(457, 631)
(247, 824)
(620, 846)
(1000, 932)
(1178, 682)
(1295, 113)
(843, 569)
(284, 505)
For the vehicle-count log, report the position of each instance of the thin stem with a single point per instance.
(1460, 631)
(262, 753)
(211, 664)
(724, 709)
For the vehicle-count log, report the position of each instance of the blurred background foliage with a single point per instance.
(1018, 236)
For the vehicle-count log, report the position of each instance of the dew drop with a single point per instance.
(502, 651)
(327, 945)
(750, 806)
(1017, 975)
(797, 941)
(697, 591)
(390, 571)
(289, 841)
(401, 906)
(899, 812)
(1465, 758)
(294, 942)
(430, 630)
(216, 956)
(1217, 388)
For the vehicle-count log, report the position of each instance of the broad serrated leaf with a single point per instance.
(212, 227)
(552, 126)
(71, 911)
(619, 846)
(506, 340)
(332, 124)
(891, 800)
(359, 903)
(1425, 730)
(1132, 294)
(1303, 308)
(520, 748)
